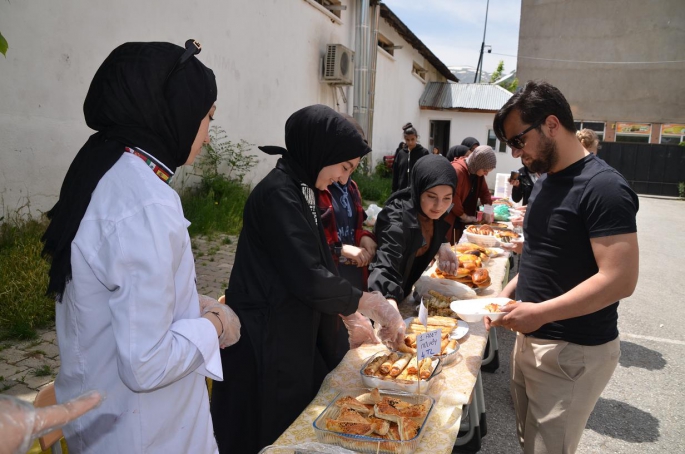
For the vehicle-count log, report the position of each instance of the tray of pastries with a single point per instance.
(400, 371)
(449, 345)
(374, 421)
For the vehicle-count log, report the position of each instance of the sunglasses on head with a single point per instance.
(516, 142)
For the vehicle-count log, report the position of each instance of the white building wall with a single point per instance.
(266, 57)
(397, 94)
(471, 124)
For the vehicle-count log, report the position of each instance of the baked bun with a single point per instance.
(481, 277)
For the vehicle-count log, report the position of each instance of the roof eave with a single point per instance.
(416, 43)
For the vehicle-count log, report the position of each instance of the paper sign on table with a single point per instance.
(423, 314)
(428, 344)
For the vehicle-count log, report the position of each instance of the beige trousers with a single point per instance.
(555, 386)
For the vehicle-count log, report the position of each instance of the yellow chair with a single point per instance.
(45, 398)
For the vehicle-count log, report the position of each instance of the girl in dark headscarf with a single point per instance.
(411, 229)
(285, 288)
(129, 322)
(472, 187)
(471, 143)
(457, 152)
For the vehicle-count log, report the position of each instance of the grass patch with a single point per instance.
(35, 354)
(23, 280)
(373, 187)
(215, 206)
(43, 371)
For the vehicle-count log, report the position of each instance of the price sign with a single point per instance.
(428, 344)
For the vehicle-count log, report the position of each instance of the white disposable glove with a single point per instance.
(447, 259)
(359, 329)
(230, 323)
(466, 219)
(206, 301)
(21, 422)
(388, 319)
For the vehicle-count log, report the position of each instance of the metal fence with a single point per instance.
(649, 168)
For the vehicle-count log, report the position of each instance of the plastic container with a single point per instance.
(482, 240)
(408, 386)
(367, 444)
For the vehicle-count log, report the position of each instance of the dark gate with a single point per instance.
(649, 168)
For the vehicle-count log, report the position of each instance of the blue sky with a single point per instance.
(453, 29)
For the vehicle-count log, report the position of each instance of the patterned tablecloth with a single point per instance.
(451, 389)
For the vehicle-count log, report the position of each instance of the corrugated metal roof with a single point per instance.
(440, 95)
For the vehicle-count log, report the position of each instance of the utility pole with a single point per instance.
(479, 67)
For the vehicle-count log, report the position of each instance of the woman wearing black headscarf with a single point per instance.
(285, 288)
(471, 143)
(411, 229)
(457, 152)
(128, 319)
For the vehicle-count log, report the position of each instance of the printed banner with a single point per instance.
(633, 128)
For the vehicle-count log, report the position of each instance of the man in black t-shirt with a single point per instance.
(580, 257)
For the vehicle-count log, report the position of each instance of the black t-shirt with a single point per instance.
(588, 199)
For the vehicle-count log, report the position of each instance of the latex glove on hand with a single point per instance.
(229, 321)
(447, 259)
(388, 320)
(466, 219)
(206, 301)
(21, 422)
(359, 330)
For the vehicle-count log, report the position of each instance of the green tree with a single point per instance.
(3, 45)
(498, 72)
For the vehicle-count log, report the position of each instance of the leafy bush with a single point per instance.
(382, 170)
(23, 280)
(373, 188)
(681, 190)
(216, 205)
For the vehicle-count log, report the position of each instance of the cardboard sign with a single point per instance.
(428, 344)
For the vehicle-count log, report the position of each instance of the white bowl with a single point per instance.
(482, 240)
(474, 310)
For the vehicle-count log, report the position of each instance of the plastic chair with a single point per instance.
(49, 441)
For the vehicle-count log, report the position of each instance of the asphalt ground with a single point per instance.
(642, 409)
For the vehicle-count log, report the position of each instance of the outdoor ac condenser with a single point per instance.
(338, 65)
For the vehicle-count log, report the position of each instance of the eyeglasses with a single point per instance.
(516, 142)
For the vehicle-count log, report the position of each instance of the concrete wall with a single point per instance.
(608, 31)
(471, 124)
(266, 56)
(397, 94)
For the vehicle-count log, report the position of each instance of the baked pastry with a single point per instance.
(351, 428)
(481, 278)
(352, 403)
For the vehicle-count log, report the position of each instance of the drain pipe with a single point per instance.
(361, 66)
(373, 55)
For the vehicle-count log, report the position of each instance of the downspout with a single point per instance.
(361, 66)
(373, 55)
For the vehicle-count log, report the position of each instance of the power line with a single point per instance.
(595, 62)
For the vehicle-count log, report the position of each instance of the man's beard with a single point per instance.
(547, 156)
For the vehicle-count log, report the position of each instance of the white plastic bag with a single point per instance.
(371, 214)
(444, 287)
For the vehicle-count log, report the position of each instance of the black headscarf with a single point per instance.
(469, 142)
(429, 172)
(315, 137)
(147, 95)
(457, 151)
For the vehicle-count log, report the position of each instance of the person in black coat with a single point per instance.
(411, 229)
(406, 156)
(285, 289)
(523, 186)
(457, 152)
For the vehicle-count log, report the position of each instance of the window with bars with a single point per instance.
(385, 44)
(419, 71)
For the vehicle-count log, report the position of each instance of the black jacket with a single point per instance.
(396, 268)
(525, 187)
(403, 163)
(287, 294)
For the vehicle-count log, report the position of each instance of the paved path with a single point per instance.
(641, 411)
(26, 367)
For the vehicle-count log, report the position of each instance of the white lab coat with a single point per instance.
(129, 323)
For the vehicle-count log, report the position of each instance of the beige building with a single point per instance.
(620, 63)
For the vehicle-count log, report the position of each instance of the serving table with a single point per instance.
(451, 389)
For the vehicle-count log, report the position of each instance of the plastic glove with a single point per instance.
(388, 319)
(206, 301)
(229, 322)
(360, 330)
(447, 259)
(21, 422)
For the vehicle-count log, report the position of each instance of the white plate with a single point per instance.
(473, 311)
(460, 331)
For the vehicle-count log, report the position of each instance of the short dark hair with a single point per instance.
(535, 101)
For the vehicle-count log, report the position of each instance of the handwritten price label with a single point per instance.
(428, 344)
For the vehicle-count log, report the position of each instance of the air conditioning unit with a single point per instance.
(338, 65)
